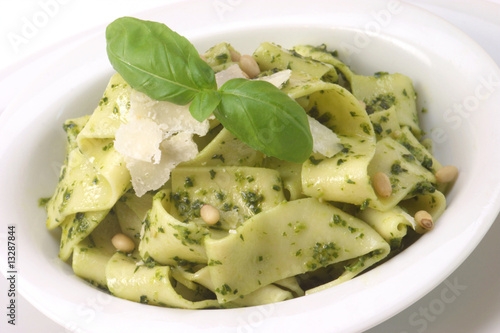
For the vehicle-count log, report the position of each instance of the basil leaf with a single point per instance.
(265, 118)
(203, 104)
(157, 61)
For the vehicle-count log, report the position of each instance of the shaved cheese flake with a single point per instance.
(148, 176)
(232, 72)
(171, 118)
(325, 141)
(410, 219)
(139, 139)
(179, 148)
(277, 79)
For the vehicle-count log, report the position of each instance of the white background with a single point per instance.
(468, 301)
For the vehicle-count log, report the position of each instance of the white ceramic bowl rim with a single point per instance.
(365, 28)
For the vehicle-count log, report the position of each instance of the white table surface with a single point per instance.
(467, 301)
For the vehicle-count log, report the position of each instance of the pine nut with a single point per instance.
(209, 214)
(446, 174)
(123, 243)
(424, 219)
(382, 185)
(249, 65)
(396, 134)
(235, 56)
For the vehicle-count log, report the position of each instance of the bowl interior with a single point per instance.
(451, 77)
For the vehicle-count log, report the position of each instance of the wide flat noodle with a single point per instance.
(219, 56)
(290, 174)
(226, 149)
(271, 293)
(113, 111)
(385, 123)
(94, 176)
(408, 177)
(391, 224)
(343, 177)
(386, 90)
(54, 217)
(131, 211)
(128, 279)
(168, 240)
(270, 57)
(237, 192)
(91, 255)
(290, 239)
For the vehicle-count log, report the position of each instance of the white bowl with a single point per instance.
(456, 81)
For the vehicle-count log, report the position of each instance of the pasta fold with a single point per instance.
(290, 239)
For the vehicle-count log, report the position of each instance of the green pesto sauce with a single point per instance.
(252, 200)
(427, 163)
(80, 225)
(297, 226)
(213, 262)
(315, 161)
(183, 262)
(225, 289)
(186, 208)
(380, 74)
(360, 262)
(103, 101)
(380, 102)
(222, 58)
(346, 148)
(108, 146)
(396, 168)
(365, 127)
(186, 236)
(323, 254)
(423, 188)
(188, 182)
(219, 157)
(337, 220)
(365, 204)
(42, 202)
(408, 157)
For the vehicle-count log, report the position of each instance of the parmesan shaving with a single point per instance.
(235, 72)
(410, 219)
(148, 176)
(277, 79)
(232, 72)
(325, 141)
(131, 141)
(157, 137)
(171, 118)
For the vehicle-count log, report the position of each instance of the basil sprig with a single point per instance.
(165, 66)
